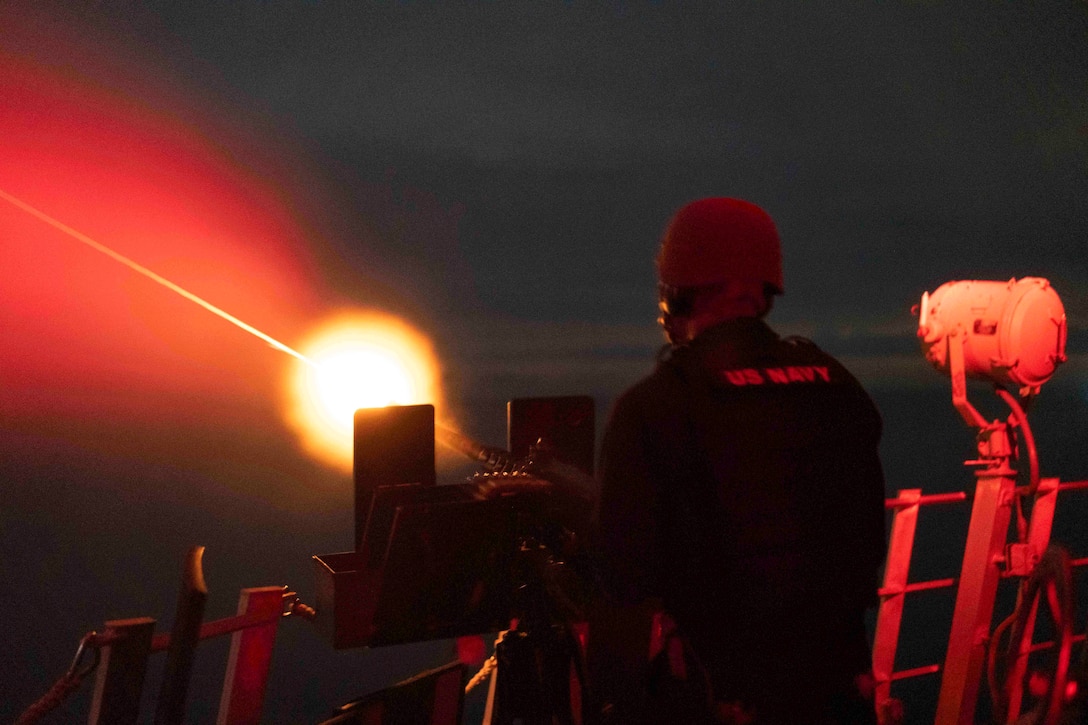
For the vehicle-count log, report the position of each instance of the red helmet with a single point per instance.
(710, 241)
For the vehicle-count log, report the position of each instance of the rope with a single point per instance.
(69, 682)
(488, 667)
(51, 700)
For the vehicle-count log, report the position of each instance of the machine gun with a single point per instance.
(493, 554)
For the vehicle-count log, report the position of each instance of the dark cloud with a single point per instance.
(897, 145)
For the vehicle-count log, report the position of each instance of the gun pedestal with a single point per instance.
(539, 675)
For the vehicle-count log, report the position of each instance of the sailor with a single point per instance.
(741, 503)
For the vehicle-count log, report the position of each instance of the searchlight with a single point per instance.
(1010, 333)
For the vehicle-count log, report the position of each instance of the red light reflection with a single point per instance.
(128, 159)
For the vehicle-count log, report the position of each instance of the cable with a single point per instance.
(1029, 438)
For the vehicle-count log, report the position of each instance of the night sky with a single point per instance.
(497, 175)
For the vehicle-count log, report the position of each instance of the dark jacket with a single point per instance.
(741, 487)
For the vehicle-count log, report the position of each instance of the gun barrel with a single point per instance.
(492, 458)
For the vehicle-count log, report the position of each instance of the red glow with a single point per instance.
(142, 224)
(119, 153)
(472, 650)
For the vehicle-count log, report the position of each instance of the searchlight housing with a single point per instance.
(1011, 333)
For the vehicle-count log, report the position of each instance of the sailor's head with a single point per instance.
(720, 258)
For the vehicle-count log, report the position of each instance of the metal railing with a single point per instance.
(987, 558)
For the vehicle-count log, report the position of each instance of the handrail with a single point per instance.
(219, 627)
(929, 500)
(901, 506)
(915, 672)
(917, 587)
(1072, 485)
